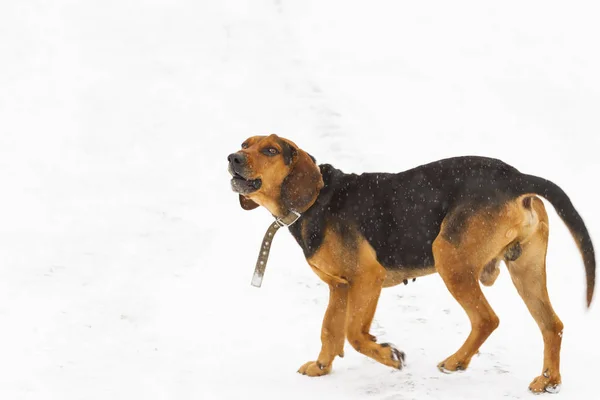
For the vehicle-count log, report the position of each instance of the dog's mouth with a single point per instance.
(242, 185)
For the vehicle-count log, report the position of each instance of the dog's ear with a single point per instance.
(247, 204)
(302, 185)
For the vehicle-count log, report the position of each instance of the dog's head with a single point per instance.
(274, 173)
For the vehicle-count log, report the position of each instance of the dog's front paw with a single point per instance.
(545, 383)
(314, 368)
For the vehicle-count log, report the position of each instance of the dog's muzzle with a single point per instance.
(240, 181)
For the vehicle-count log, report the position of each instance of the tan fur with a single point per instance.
(458, 267)
(354, 271)
(528, 274)
(273, 171)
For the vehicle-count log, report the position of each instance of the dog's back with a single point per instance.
(400, 214)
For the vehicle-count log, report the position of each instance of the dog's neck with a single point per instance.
(280, 211)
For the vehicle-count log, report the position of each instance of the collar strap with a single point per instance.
(265, 248)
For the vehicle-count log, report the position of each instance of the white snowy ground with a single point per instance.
(125, 261)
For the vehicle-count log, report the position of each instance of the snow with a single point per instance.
(126, 261)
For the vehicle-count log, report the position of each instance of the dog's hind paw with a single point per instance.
(451, 365)
(397, 356)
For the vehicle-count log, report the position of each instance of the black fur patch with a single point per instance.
(456, 223)
(400, 215)
(287, 151)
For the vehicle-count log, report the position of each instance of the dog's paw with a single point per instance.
(398, 357)
(314, 368)
(545, 383)
(452, 364)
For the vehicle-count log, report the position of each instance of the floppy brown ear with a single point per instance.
(302, 185)
(247, 204)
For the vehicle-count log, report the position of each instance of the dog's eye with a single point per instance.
(270, 151)
(244, 145)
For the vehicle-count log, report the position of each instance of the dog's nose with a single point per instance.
(235, 158)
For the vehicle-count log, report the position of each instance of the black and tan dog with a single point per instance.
(459, 217)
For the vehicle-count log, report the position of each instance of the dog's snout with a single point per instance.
(235, 158)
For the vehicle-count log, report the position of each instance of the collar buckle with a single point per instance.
(288, 220)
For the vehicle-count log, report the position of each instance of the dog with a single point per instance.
(459, 217)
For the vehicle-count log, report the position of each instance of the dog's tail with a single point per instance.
(565, 209)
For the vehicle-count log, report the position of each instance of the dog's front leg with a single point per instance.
(333, 332)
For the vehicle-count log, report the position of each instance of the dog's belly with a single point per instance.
(394, 277)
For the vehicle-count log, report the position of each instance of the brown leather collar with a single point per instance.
(265, 248)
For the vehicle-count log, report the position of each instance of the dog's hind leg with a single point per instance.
(468, 244)
(528, 273)
(460, 276)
